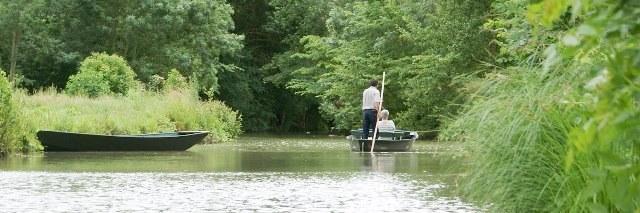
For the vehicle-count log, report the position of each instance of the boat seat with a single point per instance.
(393, 135)
(388, 135)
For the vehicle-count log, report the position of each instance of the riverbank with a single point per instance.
(137, 113)
(555, 126)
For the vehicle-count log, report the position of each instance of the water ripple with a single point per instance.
(222, 192)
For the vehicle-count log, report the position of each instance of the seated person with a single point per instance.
(384, 124)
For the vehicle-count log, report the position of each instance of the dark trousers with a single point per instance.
(369, 121)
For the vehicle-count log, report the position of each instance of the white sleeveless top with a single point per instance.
(386, 126)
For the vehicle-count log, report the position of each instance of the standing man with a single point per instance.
(370, 105)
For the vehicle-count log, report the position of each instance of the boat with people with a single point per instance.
(77, 142)
(386, 141)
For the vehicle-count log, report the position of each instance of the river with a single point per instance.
(257, 173)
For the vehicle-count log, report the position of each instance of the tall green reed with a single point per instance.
(515, 130)
(548, 139)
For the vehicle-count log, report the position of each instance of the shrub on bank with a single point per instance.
(14, 135)
(516, 131)
(102, 74)
(175, 81)
(8, 117)
(138, 113)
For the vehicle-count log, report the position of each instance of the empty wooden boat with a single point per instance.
(69, 141)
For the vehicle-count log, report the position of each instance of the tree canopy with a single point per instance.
(48, 39)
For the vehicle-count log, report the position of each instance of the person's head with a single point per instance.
(373, 83)
(384, 114)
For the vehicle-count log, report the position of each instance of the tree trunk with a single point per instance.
(282, 121)
(13, 59)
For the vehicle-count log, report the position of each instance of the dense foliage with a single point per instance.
(46, 39)
(607, 144)
(8, 117)
(13, 137)
(175, 81)
(267, 80)
(422, 45)
(554, 127)
(102, 74)
(263, 100)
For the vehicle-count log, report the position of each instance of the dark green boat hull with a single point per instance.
(396, 141)
(362, 145)
(79, 142)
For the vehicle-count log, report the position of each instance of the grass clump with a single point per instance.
(516, 130)
(138, 113)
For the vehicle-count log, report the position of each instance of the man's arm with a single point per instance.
(378, 102)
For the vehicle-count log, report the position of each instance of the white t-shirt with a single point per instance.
(386, 126)
(370, 97)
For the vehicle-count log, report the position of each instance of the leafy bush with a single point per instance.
(14, 131)
(175, 81)
(92, 84)
(102, 74)
(605, 149)
(156, 82)
(8, 117)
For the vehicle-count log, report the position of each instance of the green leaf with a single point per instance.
(547, 11)
(570, 40)
(586, 30)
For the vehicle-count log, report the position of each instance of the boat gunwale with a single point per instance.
(151, 135)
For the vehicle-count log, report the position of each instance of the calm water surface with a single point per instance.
(254, 174)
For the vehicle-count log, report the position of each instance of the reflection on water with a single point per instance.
(254, 174)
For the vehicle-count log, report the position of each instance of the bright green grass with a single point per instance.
(139, 112)
(516, 130)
